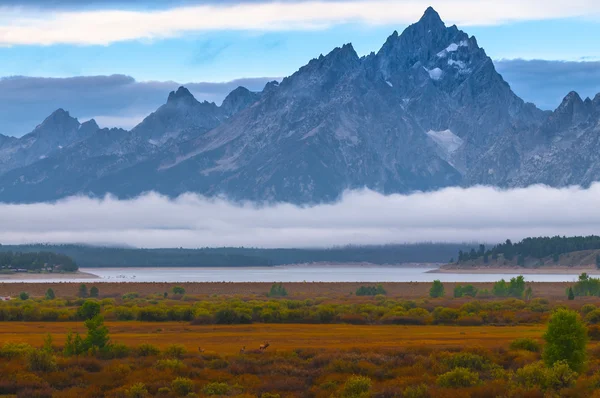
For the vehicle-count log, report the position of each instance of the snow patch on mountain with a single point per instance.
(435, 73)
(446, 140)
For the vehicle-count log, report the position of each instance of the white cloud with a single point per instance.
(360, 217)
(26, 26)
(124, 122)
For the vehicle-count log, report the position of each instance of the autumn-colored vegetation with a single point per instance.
(177, 344)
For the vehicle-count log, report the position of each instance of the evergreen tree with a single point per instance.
(598, 261)
(437, 289)
(83, 292)
(94, 291)
(571, 295)
(50, 294)
(97, 334)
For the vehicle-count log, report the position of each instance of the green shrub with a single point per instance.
(182, 386)
(468, 290)
(83, 292)
(40, 361)
(466, 360)
(420, 391)
(147, 350)
(137, 390)
(458, 378)
(173, 364)
(94, 292)
(557, 377)
(356, 387)
(370, 290)
(50, 294)
(216, 389)
(24, 296)
(178, 290)
(89, 309)
(437, 289)
(566, 340)
(526, 344)
(277, 290)
(587, 308)
(15, 350)
(176, 351)
(130, 296)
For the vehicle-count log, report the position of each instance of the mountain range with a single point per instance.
(428, 110)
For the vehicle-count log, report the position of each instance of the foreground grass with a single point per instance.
(229, 339)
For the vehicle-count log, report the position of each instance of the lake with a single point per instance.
(294, 273)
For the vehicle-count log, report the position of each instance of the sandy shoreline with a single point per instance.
(517, 270)
(49, 276)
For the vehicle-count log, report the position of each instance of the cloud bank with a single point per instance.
(545, 83)
(32, 26)
(482, 214)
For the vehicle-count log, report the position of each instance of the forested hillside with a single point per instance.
(558, 250)
(87, 256)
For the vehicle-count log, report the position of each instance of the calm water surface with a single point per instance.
(321, 273)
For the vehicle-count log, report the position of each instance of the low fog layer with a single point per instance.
(482, 214)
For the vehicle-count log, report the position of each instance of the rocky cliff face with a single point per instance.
(428, 110)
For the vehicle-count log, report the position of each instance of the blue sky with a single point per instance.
(164, 43)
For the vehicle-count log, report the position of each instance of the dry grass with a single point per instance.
(229, 339)
(408, 290)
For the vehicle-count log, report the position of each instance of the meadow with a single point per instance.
(286, 341)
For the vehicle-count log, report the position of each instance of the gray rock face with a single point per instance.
(428, 110)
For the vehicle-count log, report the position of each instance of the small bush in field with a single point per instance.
(216, 389)
(15, 350)
(370, 290)
(182, 386)
(40, 361)
(357, 386)
(277, 290)
(173, 364)
(466, 360)
(420, 391)
(94, 292)
(594, 332)
(176, 351)
(178, 290)
(147, 350)
(458, 378)
(24, 296)
(526, 344)
(138, 390)
(556, 377)
(587, 308)
(130, 296)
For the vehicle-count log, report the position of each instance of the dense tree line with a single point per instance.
(533, 247)
(36, 261)
(87, 256)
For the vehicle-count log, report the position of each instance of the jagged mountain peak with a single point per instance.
(431, 19)
(237, 100)
(181, 95)
(572, 97)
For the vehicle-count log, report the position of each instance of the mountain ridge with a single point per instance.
(426, 111)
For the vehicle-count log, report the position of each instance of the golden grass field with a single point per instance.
(229, 339)
(408, 290)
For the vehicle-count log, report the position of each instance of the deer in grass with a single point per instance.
(264, 346)
(243, 350)
(200, 350)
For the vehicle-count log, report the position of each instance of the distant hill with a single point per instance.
(557, 251)
(88, 256)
